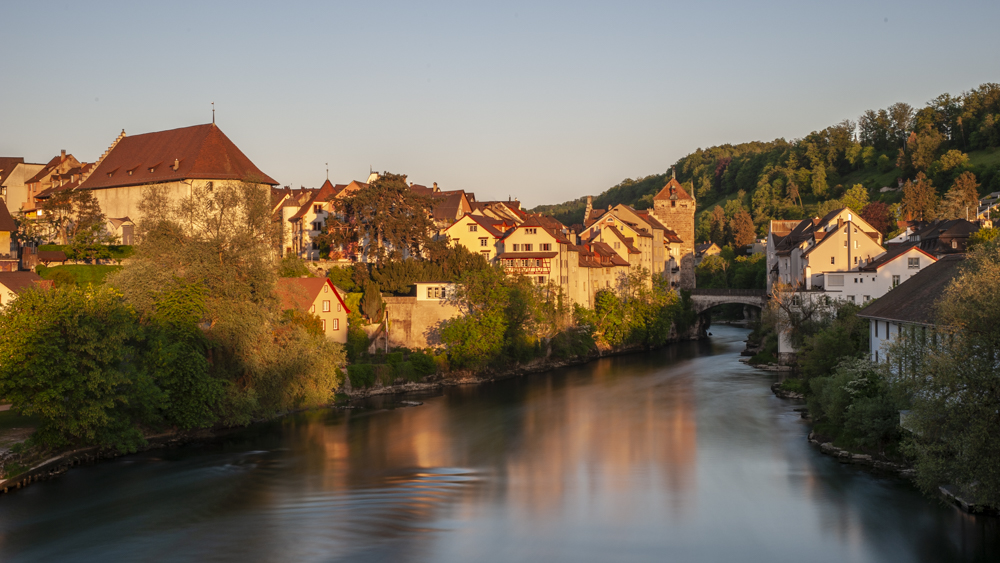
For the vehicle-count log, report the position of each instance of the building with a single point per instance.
(61, 169)
(940, 237)
(675, 208)
(14, 173)
(910, 306)
(804, 254)
(181, 160)
(319, 297)
(478, 234)
(705, 249)
(880, 275)
(14, 283)
(539, 249)
(8, 244)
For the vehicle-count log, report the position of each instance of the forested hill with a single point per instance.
(943, 152)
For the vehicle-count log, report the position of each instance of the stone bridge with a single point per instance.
(704, 299)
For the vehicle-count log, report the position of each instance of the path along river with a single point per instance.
(682, 454)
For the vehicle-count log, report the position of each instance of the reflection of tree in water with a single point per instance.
(881, 512)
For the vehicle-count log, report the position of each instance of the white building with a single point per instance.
(879, 275)
(910, 306)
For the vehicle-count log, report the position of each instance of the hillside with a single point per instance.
(933, 146)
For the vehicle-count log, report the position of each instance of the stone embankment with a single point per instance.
(845, 456)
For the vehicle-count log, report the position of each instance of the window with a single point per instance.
(845, 244)
(313, 308)
(317, 208)
(541, 280)
(546, 247)
(326, 306)
(835, 281)
(517, 247)
(673, 203)
(618, 245)
(530, 231)
(866, 298)
(833, 259)
(850, 298)
(913, 263)
(527, 247)
(430, 292)
(336, 324)
(482, 242)
(856, 243)
(876, 331)
(855, 259)
(473, 228)
(339, 307)
(895, 281)
(954, 244)
(326, 289)
(323, 322)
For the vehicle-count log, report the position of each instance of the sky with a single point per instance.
(540, 101)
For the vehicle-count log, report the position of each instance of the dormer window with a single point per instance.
(530, 231)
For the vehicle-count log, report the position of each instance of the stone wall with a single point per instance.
(415, 324)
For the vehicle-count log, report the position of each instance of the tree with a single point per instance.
(717, 222)
(878, 215)
(819, 185)
(921, 150)
(385, 217)
(955, 395)
(856, 198)
(69, 359)
(919, 199)
(953, 159)
(743, 231)
(981, 237)
(962, 199)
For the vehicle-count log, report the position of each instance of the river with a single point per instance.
(681, 454)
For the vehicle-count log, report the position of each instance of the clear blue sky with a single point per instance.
(541, 101)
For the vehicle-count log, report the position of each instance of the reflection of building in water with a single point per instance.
(615, 438)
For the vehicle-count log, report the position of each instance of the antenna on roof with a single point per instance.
(327, 170)
(213, 113)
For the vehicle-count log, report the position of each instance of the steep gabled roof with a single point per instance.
(202, 152)
(626, 241)
(46, 170)
(301, 293)
(673, 190)
(913, 300)
(7, 165)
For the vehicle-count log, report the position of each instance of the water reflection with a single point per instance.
(679, 454)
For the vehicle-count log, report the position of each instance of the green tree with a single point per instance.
(856, 198)
(717, 222)
(956, 398)
(69, 360)
(385, 217)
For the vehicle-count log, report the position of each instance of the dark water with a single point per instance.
(677, 455)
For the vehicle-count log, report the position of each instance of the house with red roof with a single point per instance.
(185, 161)
(674, 208)
(319, 297)
(14, 283)
(57, 172)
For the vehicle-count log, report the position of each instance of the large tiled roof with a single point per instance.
(323, 194)
(202, 152)
(913, 300)
(7, 165)
(46, 169)
(6, 221)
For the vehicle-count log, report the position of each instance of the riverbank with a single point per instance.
(51, 466)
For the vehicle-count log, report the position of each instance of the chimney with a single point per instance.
(177, 164)
(62, 155)
(590, 208)
(435, 186)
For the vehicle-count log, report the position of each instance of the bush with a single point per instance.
(385, 374)
(405, 370)
(423, 364)
(571, 344)
(293, 267)
(394, 358)
(361, 375)
(357, 338)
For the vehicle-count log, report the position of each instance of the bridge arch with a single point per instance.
(704, 299)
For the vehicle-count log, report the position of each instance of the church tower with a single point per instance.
(675, 208)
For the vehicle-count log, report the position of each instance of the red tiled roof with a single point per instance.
(202, 152)
(19, 281)
(6, 221)
(7, 165)
(301, 293)
(325, 192)
(673, 187)
(46, 169)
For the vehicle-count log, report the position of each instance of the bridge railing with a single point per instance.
(723, 292)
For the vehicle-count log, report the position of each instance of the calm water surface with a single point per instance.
(676, 455)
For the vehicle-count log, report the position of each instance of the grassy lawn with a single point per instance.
(80, 273)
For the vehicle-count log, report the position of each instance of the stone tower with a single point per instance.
(675, 208)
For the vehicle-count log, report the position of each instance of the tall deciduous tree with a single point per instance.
(385, 217)
(855, 198)
(878, 215)
(962, 200)
(717, 222)
(919, 199)
(743, 231)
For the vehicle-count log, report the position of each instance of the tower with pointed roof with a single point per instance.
(675, 208)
